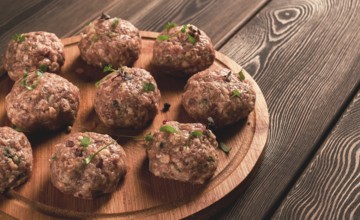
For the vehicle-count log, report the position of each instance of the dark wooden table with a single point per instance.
(305, 56)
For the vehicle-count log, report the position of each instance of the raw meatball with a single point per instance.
(87, 165)
(30, 51)
(184, 152)
(222, 95)
(183, 51)
(110, 41)
(42, 101)
(128, 97)
(15, 158)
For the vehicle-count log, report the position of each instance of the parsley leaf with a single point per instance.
(224, 148)
(18, 38)
(184, 27)
(168, 129)
(89, 158)
(115, 24)
(169, 25)
(191, 39)
(85, 141)
(148, 87)
(235, 93)
(24, 82)
(241, 75)
(43, 68)
(196, 134)
(149, 137)
(163, 37)
(108, 68)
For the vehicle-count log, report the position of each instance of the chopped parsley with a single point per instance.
(8, 153)
(224, 148)
(235, 93)
(241, 75)
(89, 158)
(169, 25)
(196, 134)
(85, 141)
(168, 129)
(43, 68)
(95, 38)
(18, 38)
(115, 24)
(108, 68)
(191, 39)
(163, 37)
(148, 87)
(184, 27)
(149, 137)
(24, 82)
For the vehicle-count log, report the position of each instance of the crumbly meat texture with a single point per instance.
(110, 41)
(179, 56)
(219, 94)
(125, 98)
(71, 175)
(36, 50)
(183, 156)
(42, 101)
(15, 158)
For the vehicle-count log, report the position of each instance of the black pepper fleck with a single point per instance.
(166, 107)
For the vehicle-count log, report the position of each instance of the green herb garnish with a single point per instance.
(18, 38)
(169, 25)
(148, 87)
(97, 84)
(54, 157)
(8, 153)
(24, 82)
(163, 37)
(184, 27)
(116, 22)
(168, 129)
(43, 68)
(95, 38)
(89, 158)
(196, 134)
(85, 141)
(224, 148)
(241, 75)
(149, 137)
(211, 159)
(108, 68)
(191, 39)
(235, 93)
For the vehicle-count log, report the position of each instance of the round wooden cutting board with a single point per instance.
(140, 194)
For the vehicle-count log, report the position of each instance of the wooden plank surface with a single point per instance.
(66, 18)
(305, 57)
(329, 188)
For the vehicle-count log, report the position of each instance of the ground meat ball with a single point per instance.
(42, 101)
(15, 158)
(128, 97)
(179, 55)
(30, 51)
(188, 155)
(219, 94)
(110, 41)
(87, 165)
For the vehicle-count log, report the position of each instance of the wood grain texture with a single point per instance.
(305, 57)
(66, 18)
(140, 194)
(329, 188)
